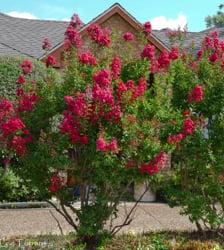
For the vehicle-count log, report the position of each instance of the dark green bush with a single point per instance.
(13, 187)
(9, 72)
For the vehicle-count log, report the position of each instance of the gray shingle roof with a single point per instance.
(20, 36)
(25, 36)
(192, 38)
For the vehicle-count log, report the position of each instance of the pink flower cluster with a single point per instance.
(148, 52)
(174, 139)
(164, 59)
(72, 38)
(102, 91)
(99, 35)
(147, 27)
(11, 126)
(56, 183)
(76, 21)
(50, 61)
(131, 88)
(27, 102)
(101, 145)
(196, 95)
(174, 53)
(27, 67)
(18, 143)
(103, 94)
(128, 36)
(87, 58)
(116, 67)
(155, 165)
(213, 48)
(6, 108)
(46, 45)
(102, 78)
(78, 105)
(188, 126)
(77, 108)
(21, 80)
(114, 115)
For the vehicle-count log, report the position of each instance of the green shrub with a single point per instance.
(13, 189)
(9, 71)
(197, 184)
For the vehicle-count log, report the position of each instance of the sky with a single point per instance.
(161, 13)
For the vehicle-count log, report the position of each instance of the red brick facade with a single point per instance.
(117, 19)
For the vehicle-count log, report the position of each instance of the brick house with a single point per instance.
(23, 37)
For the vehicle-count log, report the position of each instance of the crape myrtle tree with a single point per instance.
(102, 125)
(197, 177)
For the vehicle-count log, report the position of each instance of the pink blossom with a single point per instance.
(27, 102)
(19, 145)
(174, 139)
(27, 67)
(73, 36)
(199, 54)
(46, 45)
(50, 61)
(84, 140)
(140, 89)
(102, 78)
(116, 67)
(100, 144)
(188, 127)
(196, 95)
(147, 27)
(128, 36)
(148, 52)
(21, 79)
(6, 106)
(174, 53)
(149, 169)
(87, 58)
(11, 126)
(164, 59)
(76, 21)
(112, 146)
(99, 35)
(103, 95)
(78, 105)
(213, 57)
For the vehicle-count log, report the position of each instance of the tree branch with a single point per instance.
(128, 220)
(68, 219)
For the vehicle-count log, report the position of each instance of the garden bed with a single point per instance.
(155, 241)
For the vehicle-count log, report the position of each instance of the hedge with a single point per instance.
(9, 71)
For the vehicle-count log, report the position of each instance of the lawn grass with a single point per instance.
(147, 241)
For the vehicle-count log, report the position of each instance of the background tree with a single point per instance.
(196, 182)
(216, 20)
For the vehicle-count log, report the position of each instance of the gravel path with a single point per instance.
(147, 217)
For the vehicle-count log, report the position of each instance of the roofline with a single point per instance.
(103, 14)
(19, 51)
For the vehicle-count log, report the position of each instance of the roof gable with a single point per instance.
(117, 9)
